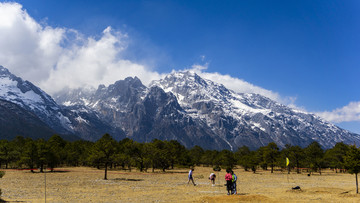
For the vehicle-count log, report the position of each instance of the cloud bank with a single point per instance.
(238, 85)
(350, 112)
(55, 58)
(58, 58)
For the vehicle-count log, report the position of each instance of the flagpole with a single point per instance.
(45, 183)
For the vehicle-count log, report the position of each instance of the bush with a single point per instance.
(2, 173)
(217, 168)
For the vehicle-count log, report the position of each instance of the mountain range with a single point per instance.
(182, 106)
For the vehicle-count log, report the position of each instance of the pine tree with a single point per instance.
(315, 155)
(104, 150)
(352, 163)
(271, 153)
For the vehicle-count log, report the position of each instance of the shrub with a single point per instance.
(217, 168)
(2, 173)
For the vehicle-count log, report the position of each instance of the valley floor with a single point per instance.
(87, 185)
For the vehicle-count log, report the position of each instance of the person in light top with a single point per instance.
(190, 177)
(212, 178)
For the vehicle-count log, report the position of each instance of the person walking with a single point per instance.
(190, 176)
(228, 178)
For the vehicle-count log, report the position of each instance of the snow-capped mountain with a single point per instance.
(249, 119)
(34, 100)
(141, 113)
(182, 106)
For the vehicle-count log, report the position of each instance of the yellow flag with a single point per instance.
(287, 161)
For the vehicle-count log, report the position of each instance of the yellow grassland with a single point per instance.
(83, 184)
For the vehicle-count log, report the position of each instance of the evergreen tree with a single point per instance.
(161, 155)
(196, 153)
(225, 159)
(5, 152)
(43, 154)
(253, 160)
(314, 154)
(103, 151)
(241, 155)
(352, 163)
(335, 156)
(57, 153)
(124, 154)
(271, 154)
(296, 156)
(29, 156)
(209, 158)
(175, 150)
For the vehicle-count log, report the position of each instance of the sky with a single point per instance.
(304, 54)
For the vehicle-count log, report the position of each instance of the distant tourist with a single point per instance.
(212, 178)
(234, 179)
(191, 176)
(228, 178)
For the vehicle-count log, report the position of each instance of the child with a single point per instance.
(228, 178)
(234, 179)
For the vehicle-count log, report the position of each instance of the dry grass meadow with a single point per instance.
(87, 185)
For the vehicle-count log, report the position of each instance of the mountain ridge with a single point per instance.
(181, 106)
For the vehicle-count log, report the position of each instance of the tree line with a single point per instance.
(128, 154)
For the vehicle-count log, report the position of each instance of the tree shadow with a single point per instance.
(1, 200)
(171, 172)
(58, 171)
(54, 171)
(128, 179)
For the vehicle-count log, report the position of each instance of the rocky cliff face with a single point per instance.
(142, 114)
(182, 106)
(249, 119)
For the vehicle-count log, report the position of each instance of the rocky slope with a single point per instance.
(182, 106)
(33, 100)
(249, 119)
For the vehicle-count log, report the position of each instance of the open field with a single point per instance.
(87, 185)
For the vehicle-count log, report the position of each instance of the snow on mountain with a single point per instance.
(249, 119)
(141, 113)
(182, 106)
(33, 99)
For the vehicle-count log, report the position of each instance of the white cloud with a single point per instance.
(348, 113)
(55, 58)
(27, 48)
(239, 85)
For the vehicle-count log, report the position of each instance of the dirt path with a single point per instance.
(87, 185)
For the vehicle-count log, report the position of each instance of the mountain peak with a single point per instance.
(182, 106)
(31, 98)
(5, 72)
(133, 81)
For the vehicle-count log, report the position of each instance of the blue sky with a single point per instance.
(304, 52)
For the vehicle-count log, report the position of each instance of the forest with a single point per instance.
(106, 153)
